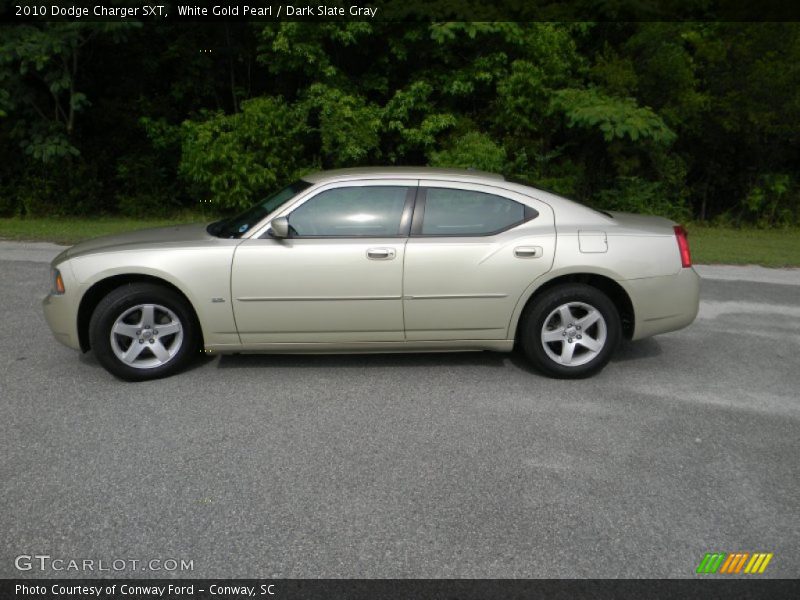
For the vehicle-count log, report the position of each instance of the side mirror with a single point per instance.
(279, 227)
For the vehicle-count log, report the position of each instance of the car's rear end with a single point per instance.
(663, 286)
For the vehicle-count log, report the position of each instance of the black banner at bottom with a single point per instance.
(402, 589)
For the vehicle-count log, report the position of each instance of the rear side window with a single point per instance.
(359, 211)
(466, 213)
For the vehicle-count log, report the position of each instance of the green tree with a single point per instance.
(235, 159)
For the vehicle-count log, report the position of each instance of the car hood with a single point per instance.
(144, 238)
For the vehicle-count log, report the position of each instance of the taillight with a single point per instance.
(683, 245)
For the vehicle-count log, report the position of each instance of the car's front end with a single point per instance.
(78, 268)
(61, 303)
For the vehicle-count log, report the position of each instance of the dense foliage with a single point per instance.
(683, 119)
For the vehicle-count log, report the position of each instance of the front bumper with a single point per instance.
(662, 304)
(61, 317)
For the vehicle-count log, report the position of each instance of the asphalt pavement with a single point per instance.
(428, 465)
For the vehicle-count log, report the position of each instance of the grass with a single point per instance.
(73, 230)
(710, 245)
(765, 247)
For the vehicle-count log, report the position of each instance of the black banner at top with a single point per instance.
(399, 10)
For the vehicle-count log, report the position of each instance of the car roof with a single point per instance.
(394, 172)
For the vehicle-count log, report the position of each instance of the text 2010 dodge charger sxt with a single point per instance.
(379, 260)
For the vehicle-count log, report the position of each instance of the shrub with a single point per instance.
(472, 150)
(633, 194)
(233, 160)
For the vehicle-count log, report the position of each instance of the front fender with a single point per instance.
(202, 275)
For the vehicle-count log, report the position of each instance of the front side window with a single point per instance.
(359, 211)
(464, 212)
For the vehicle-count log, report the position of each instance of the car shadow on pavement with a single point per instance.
(637, 350)
(90, 360)
(315, 361)
(627, 351)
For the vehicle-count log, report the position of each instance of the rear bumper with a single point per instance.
(662, 304)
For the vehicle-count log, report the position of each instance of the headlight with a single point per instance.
(56, 282)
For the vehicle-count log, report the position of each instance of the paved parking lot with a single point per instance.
(439, 465)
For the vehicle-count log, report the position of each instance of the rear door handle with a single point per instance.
(381, 253)
(528, 251)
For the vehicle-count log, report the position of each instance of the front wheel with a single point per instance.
(570, 331)
(143, 331)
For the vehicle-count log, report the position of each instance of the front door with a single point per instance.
(337, 278)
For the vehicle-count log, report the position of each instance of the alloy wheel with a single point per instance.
(574, 333)
(146, 336)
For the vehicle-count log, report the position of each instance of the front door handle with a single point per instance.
(381, 253)
(528, 251)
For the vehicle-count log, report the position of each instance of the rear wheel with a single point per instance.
(570, 331)
(143, 331)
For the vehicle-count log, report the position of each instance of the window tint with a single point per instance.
(463, 212)
(373, 211)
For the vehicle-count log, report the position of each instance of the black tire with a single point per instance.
(123, 299)
(544, 305)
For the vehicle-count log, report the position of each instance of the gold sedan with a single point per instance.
(379, 260)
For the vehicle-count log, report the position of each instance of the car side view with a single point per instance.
(379, 260)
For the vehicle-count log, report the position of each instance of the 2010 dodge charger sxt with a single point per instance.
(379, 260)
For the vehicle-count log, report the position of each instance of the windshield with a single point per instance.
(237, 226)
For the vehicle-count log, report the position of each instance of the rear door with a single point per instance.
(472, 251)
